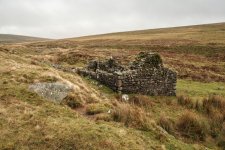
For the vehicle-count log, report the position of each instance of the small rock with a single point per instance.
(125, 97)
(55, 92)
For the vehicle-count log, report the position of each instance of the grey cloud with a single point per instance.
(71, 18)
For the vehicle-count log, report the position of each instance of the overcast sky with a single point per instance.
(72, 18)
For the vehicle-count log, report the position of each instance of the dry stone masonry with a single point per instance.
(145, 75)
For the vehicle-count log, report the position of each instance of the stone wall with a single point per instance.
(150, 82)
(146, 75)
(108, 79)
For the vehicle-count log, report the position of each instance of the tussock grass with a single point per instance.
(73, 101)
(167, 124)
(131, 116)
(97, 108)
(214, 107)
(46, 78)
(104, 117)
(140, 100)
(185, 101)
(216, 124)
(191, 126)
(213, 101)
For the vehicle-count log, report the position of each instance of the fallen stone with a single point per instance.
(55, 92)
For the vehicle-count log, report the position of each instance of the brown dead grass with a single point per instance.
(190, 126)
(131, 116)
(140, 100)
(212, 102)
(185, 101)
(73, 101)
(97, 108)
(167, 124)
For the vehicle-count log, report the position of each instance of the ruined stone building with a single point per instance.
(146, 75)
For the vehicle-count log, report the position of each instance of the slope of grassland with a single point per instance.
(209, 33)
(95, 117)
(29, 121)
(195, 52)
(9, 38)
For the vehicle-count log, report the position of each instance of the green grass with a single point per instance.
(199, 89)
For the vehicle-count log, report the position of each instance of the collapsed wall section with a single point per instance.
(108, 79)
(146, 75)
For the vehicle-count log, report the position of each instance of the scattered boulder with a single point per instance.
(55, 92)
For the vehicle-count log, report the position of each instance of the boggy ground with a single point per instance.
(93, 116)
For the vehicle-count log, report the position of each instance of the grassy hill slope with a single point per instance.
(195, 52)
(9, 38)
(94, 117)
(209, 33)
